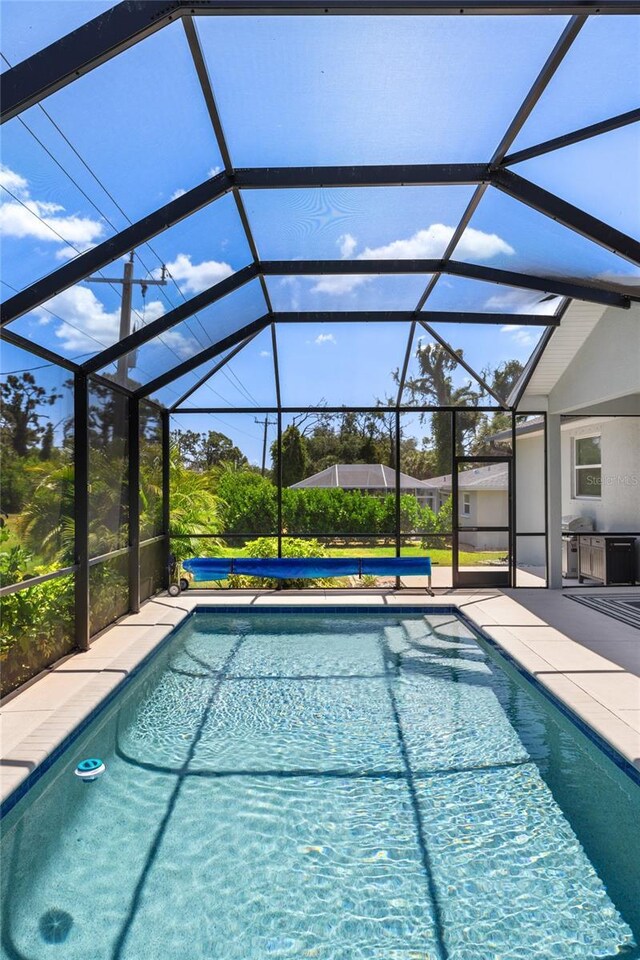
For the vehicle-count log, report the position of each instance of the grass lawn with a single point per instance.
(438, 557)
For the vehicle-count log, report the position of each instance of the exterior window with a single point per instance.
(587, 467)
(466, 504)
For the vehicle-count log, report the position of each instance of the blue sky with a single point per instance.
(311, 91)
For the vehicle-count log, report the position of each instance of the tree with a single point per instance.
(217, 448)
(22, 400)
(248, 502)
(46, 449)
(202, 451)
(295, 456)
(504, 378)
(434, 385)
(46, 523)
(194, 509)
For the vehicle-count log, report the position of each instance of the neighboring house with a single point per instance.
(482, 502)
(374, 479)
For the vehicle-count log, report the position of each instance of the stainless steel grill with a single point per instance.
(572, 525)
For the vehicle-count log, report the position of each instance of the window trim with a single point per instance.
(586, 466)
(466, 504)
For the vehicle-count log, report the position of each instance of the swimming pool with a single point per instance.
(332, 785)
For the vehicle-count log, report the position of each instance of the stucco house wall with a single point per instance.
(618, 506)
(488, 509)
(530, 499)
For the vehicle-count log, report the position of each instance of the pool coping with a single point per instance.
(59, 706)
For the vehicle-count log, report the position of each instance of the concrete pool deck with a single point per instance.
(589, 661)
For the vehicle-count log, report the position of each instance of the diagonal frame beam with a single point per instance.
(566, 214)
(213, 351)
(157, 327)
(576, 136)
(204, 80)
(462, 362)
(115, 247)
(217, 366)
(538, 87)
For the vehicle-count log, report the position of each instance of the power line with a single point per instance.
(96, 207)
(244, 391)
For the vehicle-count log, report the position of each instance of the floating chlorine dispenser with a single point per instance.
(90, 769)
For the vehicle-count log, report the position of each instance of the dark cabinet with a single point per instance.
(607, 559)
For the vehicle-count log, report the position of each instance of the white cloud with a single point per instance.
(214, 171)
(522, 336)
(180, 192)
(12, 181)
(183, 347)
(523, 301)
(336, 285)
(82, 309)
(66, 253)
(265, 353)
(323, 338)
(292, 284)
(347, 244)
(428, 244)
(39, 219)
(195, 277)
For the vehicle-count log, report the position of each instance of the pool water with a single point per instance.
(331, 786)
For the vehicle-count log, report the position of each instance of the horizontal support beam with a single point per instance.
(380, 175)
(565, 287)
(407, 316)
(437, 8)
(337, 410)
(164, 323)
(213, 351)
(126, 24)
(128, 239)
(10, 588)
(576, 136)
(312, 268)
(565, 213)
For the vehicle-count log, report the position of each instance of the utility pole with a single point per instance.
(128, 282)
(266, 423)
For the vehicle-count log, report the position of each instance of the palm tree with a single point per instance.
(194, 508)
(46, 521)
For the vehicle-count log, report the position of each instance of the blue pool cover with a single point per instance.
(285, 568)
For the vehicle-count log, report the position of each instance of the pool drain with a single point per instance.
(55, 925)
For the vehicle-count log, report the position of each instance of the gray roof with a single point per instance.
(360, 476)
(492, 477)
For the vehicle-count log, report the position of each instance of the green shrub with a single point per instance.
(267, 547)
(37, 629)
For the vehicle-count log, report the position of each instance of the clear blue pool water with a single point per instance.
(331, 786)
